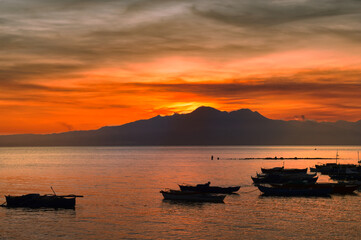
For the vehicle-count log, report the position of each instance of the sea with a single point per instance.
(121, 188)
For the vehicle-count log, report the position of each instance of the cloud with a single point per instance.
(26, 71)
(241, 89)
(322, 85)
(92, 55)
(34, 6)
(263, 13)
(103, 33)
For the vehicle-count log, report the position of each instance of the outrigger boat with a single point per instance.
(285, 178)
(294, 191)
(206, 188)
(191, 196)
(35, 200)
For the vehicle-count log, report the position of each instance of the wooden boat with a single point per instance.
(337, 188)
(297, 181)
(287, 175)
(270, 170)
(285, 178)
(191, 196)
(340, 188)
(36, 200)
(294, 191)
(206, 188)
(335, 168)
(283, 170)
(346, 176)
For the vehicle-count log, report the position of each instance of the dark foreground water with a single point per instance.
(122, 201)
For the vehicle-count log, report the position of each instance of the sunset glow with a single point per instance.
(77, 65)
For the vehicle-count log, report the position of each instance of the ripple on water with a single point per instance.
(122, 200)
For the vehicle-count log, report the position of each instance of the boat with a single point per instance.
(294, 191)
(191, 196)
(283, 170)
(334, 168)
(296, 181)
(337, 188)
(206, 188)
(338, 169)
(340, 188)
(285, 178)
(35, 200)
(271, 170)
(347, 174)
(287, 175)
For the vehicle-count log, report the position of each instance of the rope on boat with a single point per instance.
(3, 205)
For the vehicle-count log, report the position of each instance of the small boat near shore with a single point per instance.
(192, 196)
(206, 188)
(36, 200)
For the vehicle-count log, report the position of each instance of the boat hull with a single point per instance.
(283, 170)
(209, 189)
(192, 196)
(260, 180)
(38, 201)
(282, 191)
(337, 188)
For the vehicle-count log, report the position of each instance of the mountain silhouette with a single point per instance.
(203, 126)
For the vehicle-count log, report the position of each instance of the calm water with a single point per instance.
(122, 200)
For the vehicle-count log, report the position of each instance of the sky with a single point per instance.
(83, 64)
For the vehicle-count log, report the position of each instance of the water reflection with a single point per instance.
(39, 211)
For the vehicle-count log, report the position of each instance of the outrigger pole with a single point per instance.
(52, 190)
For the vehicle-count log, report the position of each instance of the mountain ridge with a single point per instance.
(203, 126)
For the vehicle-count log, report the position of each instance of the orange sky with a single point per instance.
(85, 64)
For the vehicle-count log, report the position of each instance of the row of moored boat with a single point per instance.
(297, 182)
(279, 181)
